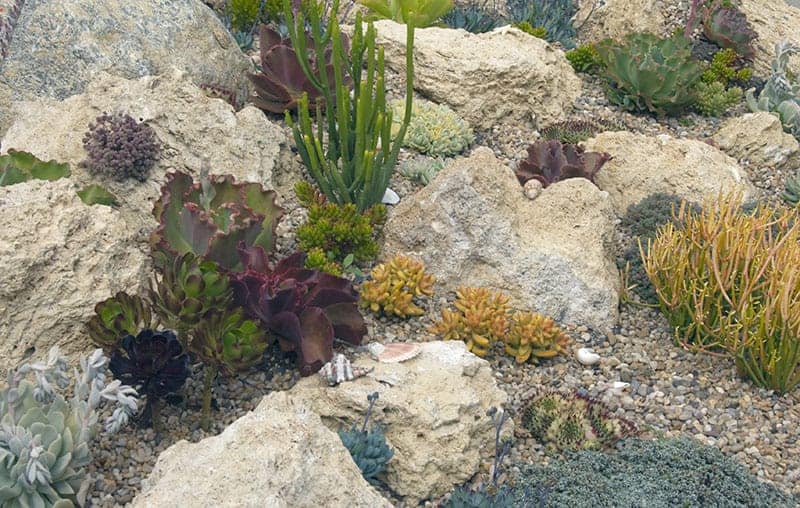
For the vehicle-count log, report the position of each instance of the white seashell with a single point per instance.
(617, 387)
(586, 356)
(398, 352)
(339, 370)
(390, 197)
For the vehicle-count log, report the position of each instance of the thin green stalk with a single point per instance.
(208, 383)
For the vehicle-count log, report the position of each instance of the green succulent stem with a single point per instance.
(208, 384)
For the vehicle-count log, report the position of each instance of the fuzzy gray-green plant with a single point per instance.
(44, 438)
(658, 474)
(781, 93)
(791, 192)
(368, 447)
(435, 129)
(421, 170)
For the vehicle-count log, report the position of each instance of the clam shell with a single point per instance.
(397, 352)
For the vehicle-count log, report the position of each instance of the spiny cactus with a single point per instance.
(44, 438)
(368, 447)
(395, 284)
(435, 129)
(480, 318)
(534, 336)
(573, 422)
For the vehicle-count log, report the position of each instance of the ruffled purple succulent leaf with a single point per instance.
(551, 161)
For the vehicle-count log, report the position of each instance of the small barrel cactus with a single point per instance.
(44, 437)
(394, 286)
(368, 447)
(120, 147)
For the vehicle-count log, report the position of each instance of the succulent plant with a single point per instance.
(422, 170)
(184, 290)
(573, 422)
(226, 339)
(553, 16)
(435, 129)
(647, 73)
(781, 93)
(476, 18)
(463, 497)
(585, 59)
(44, 438)
(551, 161)
(338, 230)
(532, 335)
(575, 131)
(305, 308)
(713, 99)
(791, 192)
(480, 318)
(729, 28)
(211, 217)
(368, 447)
(282, 81)
(96, 195)
(154, 363)
(117, 317)
(539, 32)
(726, 69)
(17, 167)
(119, 147)
(394, 285)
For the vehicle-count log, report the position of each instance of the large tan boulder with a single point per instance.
(280, 456)
(642, 165)
(473, 226)
(431, 408)
(59, 257)
(501, 76)
(774, 21)
(758, 139)
(192, 128)
(58, 46)
(614, 19)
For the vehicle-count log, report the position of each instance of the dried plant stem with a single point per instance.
(208, 383)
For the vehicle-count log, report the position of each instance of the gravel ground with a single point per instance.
(672, 391)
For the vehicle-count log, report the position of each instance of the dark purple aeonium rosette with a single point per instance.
(305, 308)
(154, 363)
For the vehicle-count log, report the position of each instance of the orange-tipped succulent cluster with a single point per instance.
(394, 285)
(483, 317)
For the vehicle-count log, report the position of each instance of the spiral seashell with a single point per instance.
(339, 370)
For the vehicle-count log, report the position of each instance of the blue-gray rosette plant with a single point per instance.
(44, 437)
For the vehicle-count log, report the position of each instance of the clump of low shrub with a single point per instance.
(393, 287)
(337, 231)
(119, 147)
(435, 129)
(646, 470)
(642, 221)
(483, 318)
(570, 422)
(730, 281)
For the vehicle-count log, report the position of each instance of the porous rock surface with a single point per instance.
(280, 455)
(473, 226)
(501, 76)
(616, 18)
(760, 139)
(774, 21)
(193, 129)
(431, 408)
(58, 46)
(59, 257)
(642, 165)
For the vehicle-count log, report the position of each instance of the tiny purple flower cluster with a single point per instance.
(120, 147)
